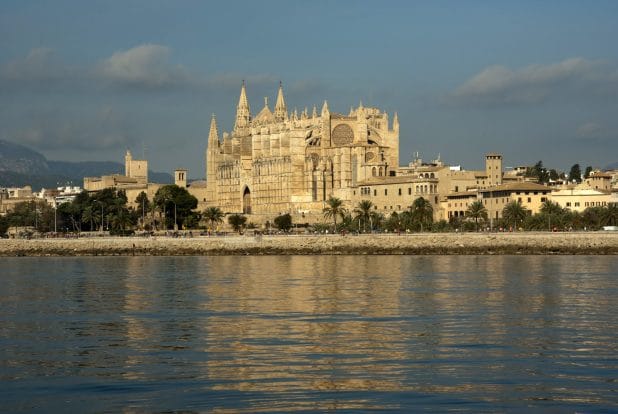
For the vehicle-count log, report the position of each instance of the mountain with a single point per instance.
(22, 160)
(612, 166)
(20, 165)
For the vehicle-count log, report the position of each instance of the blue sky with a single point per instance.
(84, 80)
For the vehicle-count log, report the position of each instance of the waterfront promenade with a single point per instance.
(424, 243)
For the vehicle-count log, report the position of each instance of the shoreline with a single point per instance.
(578, 243)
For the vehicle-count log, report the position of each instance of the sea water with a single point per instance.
(309, 333)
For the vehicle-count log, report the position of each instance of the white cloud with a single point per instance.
(499, 85)
(144, 66)
(39, 66)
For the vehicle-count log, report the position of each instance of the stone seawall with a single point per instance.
(428, 243)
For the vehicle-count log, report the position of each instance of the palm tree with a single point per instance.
(214, 215)
(237, 221)
(363, 211)
(335, 208)
(514, 212)
(477, 211)
(421, 211)
(88, 216)
(376, 220)
(609, 216)
(552, 210)
(550, 207)
(121, 219)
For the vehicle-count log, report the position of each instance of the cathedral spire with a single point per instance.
(395, 122)
(243, 112)
(281, 111)
(213, 135)
(325, 111)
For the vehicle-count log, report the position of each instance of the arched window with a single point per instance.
(380, 172)
(373, 171)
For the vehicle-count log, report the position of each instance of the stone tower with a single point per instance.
(493, 169)
(180, 177)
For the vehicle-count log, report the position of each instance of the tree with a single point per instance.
(553, 211)
(143, 205)
(514, 212)
(550, 207)
(554, 175)
(4, 225)
(175, 202)
(237, 221)
(421, 212)
(283, 222)
(575, 174)
(588, 171)
(88, 216)
(592, 217)
(334, 208)
(477, 211)
(214, 215)
(363, 212)
(120, 220)
(609, 215)
(539, 172)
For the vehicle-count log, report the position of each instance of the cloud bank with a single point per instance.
(146, 66)
(535, 84)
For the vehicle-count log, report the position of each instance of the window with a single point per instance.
(529, 199)
(375, 193)
(385, 191)
(577, 204)
(568, 204)
(400, 191)
(519, 199)
(543, 199)
(409, 190)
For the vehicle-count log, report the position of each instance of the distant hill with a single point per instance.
(20, 165)
(612, 166)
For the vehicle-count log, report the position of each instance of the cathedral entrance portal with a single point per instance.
(246, 201)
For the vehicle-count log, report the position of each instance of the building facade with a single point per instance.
(280, 162)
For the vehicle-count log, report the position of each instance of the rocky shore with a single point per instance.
(597, 243)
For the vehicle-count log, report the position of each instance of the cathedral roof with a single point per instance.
(265, 116)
